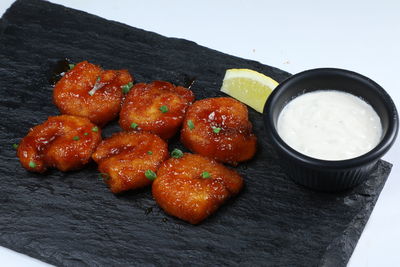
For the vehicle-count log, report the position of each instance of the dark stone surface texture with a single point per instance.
(71, 219)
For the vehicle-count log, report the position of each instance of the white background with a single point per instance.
(363, 36)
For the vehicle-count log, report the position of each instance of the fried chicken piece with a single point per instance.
(193, 187)
(64, 142)
(125, 157)
(158, 107)
(219, 128)
(89, 91)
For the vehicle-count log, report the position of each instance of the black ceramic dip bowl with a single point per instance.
(330, 175)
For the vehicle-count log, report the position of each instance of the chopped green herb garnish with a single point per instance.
(216, 129)
(98, 85)
(71, 66)
(177, 153)
(104, 176)
(206, 175)
(134, 125)
(32, 164)
(86, 134)
(95, 129)
(127, 87)
(15, 146)
(150, 175)
(190, 124)
(76, 138)
(164, 109)
(149, 152)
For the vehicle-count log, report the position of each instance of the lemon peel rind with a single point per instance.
(266, 85)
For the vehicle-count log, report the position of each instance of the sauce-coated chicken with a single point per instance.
(64, 142)
(219, 128)
(193, 187)
(158, 107)
(89, 91)
(125, 157)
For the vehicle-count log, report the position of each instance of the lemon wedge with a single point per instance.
(248, 86)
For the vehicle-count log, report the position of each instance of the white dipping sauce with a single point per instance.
(329, 125)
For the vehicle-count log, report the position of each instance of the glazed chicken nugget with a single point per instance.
(219, 128)
(158, 107)
(193, 187)
(128, 160)
(64, 142)
(89, 91)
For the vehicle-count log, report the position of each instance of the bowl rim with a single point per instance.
(376, 153)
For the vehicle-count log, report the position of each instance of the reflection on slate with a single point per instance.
(72, 219)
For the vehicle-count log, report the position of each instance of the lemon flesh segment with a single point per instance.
(248, 86)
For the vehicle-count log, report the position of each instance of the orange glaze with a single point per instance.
(71, 93)
(181, 190)
(235, 141)
(52, 145)
(142, 106)
(125, 157)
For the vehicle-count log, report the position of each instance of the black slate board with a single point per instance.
(71, 219)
